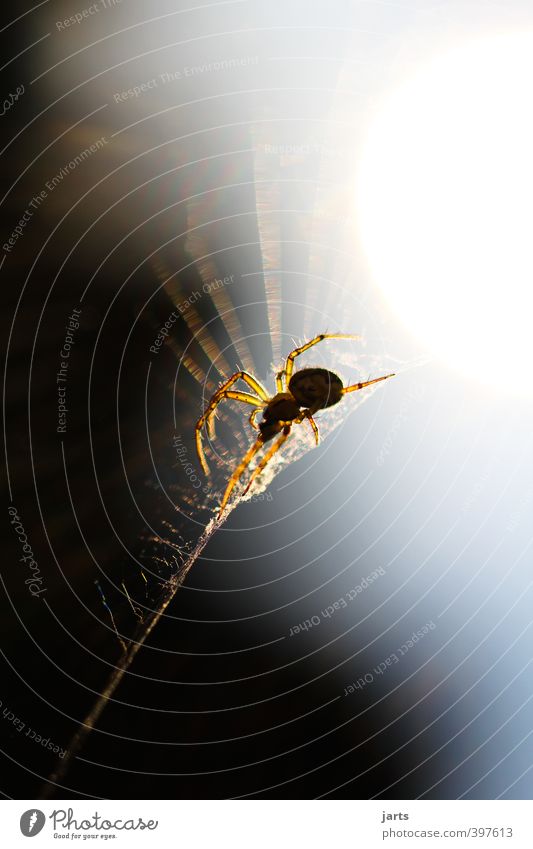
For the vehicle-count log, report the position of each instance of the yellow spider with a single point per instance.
(311, 388)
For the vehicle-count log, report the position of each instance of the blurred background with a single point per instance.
(190, 190)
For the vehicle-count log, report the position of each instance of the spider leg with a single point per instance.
(289, 364)
(254, 384)
(357, 386)
(234, 479)
(225, 392)
(237, 395)
(252, 418)
(305, 414)
(314, 425)
(268, 456)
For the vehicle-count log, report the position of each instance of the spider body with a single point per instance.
(312, 386)
(299, 395)
(281, 409)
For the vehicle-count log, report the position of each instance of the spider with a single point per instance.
(312, 389)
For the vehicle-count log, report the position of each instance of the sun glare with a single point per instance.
(445, 208)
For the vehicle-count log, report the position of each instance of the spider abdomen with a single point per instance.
(316, 387)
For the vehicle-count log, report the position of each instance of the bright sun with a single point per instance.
(445, 205)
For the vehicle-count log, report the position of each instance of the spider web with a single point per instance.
(247, 288)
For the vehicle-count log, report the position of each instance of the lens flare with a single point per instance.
(445, 204)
